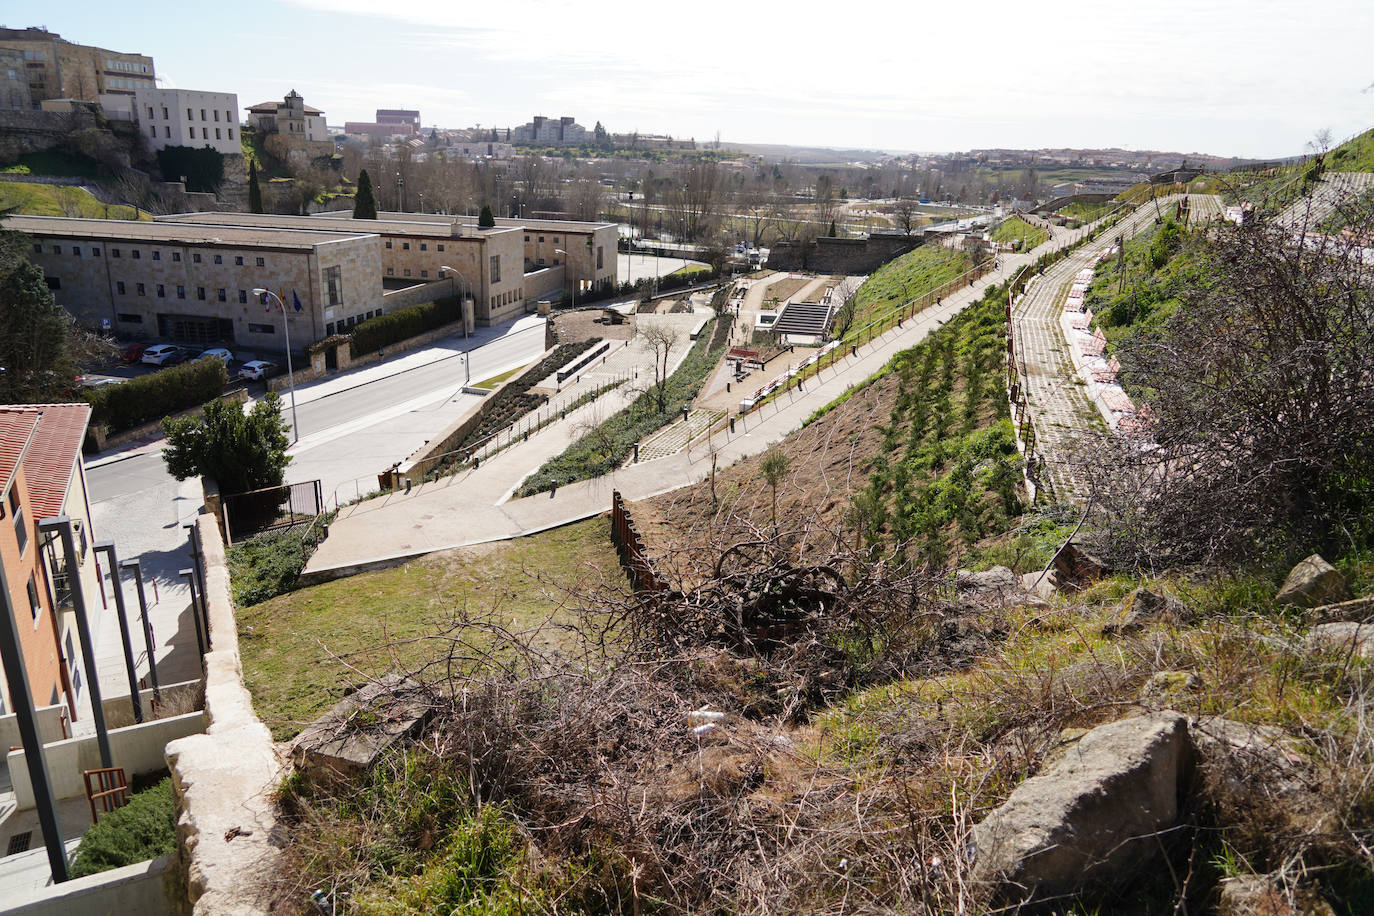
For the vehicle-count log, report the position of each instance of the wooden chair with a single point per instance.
(107, 787)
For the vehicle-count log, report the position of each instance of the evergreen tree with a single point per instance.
(485, 220)
(36, 333)
(832, 228)
(364, 202)
(242, 451)
(254, 191)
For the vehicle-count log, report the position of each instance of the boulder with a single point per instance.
(1236, 758)
(1094, 815)
(1267, 895)
(1357, 610)
(1345, 637)
(348, 740)
(1046, 586)
(1143, 606)
(1166, 688)
(1311, 583)
(998, 585)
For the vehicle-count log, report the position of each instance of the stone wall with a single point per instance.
(842, 256)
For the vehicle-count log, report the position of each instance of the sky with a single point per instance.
(1252, 78)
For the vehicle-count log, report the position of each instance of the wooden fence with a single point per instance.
(629, 545)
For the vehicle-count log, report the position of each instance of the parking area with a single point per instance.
(137, 358)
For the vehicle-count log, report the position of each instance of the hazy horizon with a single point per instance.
(1225, 78)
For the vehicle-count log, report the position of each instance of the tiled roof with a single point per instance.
(53, 455)
(17, 425)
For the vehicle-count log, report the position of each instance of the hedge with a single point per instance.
(402, 324)
(152, 397)
(143, 829)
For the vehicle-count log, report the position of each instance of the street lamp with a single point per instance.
(567, 264)
(467, 292)
(400, 193)
(290, 375)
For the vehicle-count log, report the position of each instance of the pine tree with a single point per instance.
(364, 202)
(485, 220)
(254, 191)
(832, 228)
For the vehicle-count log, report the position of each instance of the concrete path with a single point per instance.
(1060, 409)
(475, 508)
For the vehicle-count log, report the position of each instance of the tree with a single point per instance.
(660, 338)
(906, 213)
(364, 202)
(36, 333)
(832, 229)
(773, 469)
(242, 452)
(202, 169)
(485, 220)
(254, 190)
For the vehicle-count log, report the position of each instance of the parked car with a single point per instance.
(176, 359)
(218, 353)
(133, 352)
(157, 355)
(256, 369)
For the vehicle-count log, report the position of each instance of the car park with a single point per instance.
(176, 359)
(257, 369)
(219, 353)
(158, 354)
(133, 352)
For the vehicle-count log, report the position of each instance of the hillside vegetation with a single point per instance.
(38, 199)
(900, 280)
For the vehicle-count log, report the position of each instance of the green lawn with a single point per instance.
(1020, 233)
(490, 383)
(60, 200)
(908, 277)
(300, 649)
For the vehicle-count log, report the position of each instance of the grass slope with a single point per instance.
(61, 200)
(908, 277)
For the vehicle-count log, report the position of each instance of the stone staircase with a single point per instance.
(811, 318)
(674, 438)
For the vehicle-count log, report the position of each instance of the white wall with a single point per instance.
(213, 119)
(142, 888)
(138, 749)
(49, 727)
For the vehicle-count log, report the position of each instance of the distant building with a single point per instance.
(187, 117)
(14, 83)
(404, 120)
(564, 131)
(486, 149)
(291, 117)
(58, 69)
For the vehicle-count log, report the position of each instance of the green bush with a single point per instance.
(202, 169)
(143, 829)
(403, 324)
(152, 397)
(265, 566)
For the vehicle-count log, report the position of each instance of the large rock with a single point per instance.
(1093, 815)
(1346, 637)
(1235, 758)
(349, 739)
(998, 585)
(1312, 582)
(1356, 610)
(1267, 895)
(1143, 606)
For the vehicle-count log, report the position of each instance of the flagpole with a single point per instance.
(290, 375)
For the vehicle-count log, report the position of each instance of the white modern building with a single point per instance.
(188, 117)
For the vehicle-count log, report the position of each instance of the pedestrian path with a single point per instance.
(674, 438)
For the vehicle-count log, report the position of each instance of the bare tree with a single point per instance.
(660, 337)
(906, 214)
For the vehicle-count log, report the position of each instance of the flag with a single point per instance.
(266, 302)
(295, 300)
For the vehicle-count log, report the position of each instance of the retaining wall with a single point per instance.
(145, 888)
(49, 727)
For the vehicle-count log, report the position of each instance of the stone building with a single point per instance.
(59, 69)
(186, 117)
(564, 131)
(14, 81)
(193, 284)
(490, 262)
(291, 116)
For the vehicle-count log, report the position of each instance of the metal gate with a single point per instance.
(271, 509)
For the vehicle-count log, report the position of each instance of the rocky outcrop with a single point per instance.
(1097, 811)
(1346, 637)
(1144, 606)
(1267, 895)
(1311, 583)
(998, 585)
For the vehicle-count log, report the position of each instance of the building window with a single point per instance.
(440, 247)
(424, 247)
(527, 238)
(600, 250)
(238, 260)
(555, 240)
(243, 296)
(150, 112)
(261, 263)
(54, 282)
(202, 115)
(496, 268)
(333, 282)
(200, 293)
(195, 257)
(142, 290)
(219, 295)
(217, 136)
(231, 133)
(391, 271)
(157, 255)
(57, 249)
(152, 129)
(176, 256)
(129, 318)
(407, 271)
(388, 243)
(76, 251)
(191, 132)
(424, 273)
(167, 131)
(189, 115)
(165, 116)
(135, 254)
(216, 114)
(114, 252)
(205, 133)
(181, 291)
(161, 291)
(405, 246)
(119, 287)
(261, 328)
(21, 530)
(219, 259)
(228, 115)
(95, 252)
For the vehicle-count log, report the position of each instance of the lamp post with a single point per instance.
(290, 375)
(567, 264)
(400, 193)
(467, 292)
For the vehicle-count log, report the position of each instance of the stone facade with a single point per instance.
(61, 69)
(842, 256)
(193, 284)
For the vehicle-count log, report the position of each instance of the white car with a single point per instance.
(219, 353)
(156, 355)
(257, 369)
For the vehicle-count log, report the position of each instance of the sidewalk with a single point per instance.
(472, 509)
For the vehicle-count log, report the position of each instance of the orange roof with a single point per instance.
(17, 425)
(52, 457)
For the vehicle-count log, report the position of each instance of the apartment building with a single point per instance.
(490, 262)
(564, 131)
(59, 69)
(43, 477)
(193, 283)
(590, 259)
(14, 81)
(188, 117)
(291, 117)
